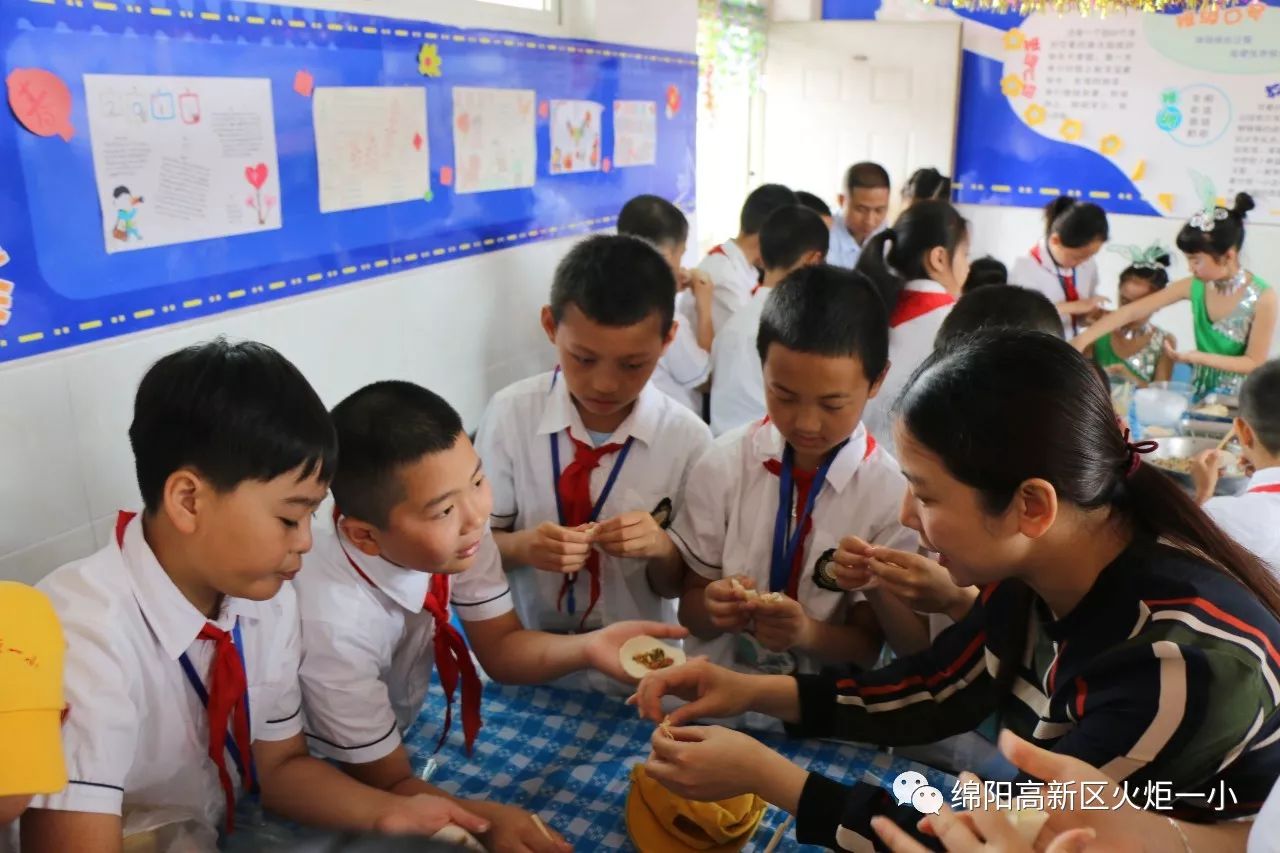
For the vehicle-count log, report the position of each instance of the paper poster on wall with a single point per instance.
(494, 147)
(178, 159)
(635, 133)
(371, 145)
(575, 137)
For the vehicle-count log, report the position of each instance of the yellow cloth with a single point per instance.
(31, 703)
(658, 821)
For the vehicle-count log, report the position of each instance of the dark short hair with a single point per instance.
(812, 202)
(789, 234)
(232, 412)
(828, 311)
(985, 272)
(655, 219)
(1260, 404)
(866, 176)
(1076, 223)
(381, 428)
(993, 308)
(615, 280)
(927, 183)
(762, 201)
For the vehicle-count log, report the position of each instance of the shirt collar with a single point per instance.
(924, 285)
(560, 414)
(173, 620)
(767, 443)
(1265, 477)
(406, 587)
(736, 256)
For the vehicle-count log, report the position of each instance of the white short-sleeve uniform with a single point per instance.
(737, 395)
(1253, 518)
(367, 645)
(733, 278)
(684, 367)
(136, 735)
(514, 442)
(913, 326)
(1037, 271)
(726, 524)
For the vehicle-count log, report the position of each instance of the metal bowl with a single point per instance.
(1232, 481)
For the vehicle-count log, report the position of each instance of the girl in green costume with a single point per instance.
(1233, 310)
(1138, 351)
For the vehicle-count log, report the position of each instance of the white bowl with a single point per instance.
(1157, 407)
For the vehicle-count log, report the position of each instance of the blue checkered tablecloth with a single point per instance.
(568, 755)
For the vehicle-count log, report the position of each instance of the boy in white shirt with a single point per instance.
(182, 633)
(792, 237)
(1252, 519)
(734, 265)
(768, 505)
(684, 368)
(864, 206)
(588, 462)
(410, 537)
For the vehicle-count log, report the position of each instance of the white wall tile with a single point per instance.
(34, 562)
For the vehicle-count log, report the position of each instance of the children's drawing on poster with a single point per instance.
(575, 136)
(635, 133)
(494, 147)
(371, 145)
(178, 159)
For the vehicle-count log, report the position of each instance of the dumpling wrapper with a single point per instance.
(458, 836)
(642, 645)
(1029, 822)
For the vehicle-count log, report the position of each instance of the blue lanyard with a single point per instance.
(198, 686)
(787, 541)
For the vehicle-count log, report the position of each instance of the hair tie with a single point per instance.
(1136, 451)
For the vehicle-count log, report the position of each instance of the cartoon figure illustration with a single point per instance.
(126, 212)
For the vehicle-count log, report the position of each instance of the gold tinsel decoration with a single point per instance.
(1086, 8)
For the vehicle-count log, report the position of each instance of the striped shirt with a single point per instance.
(1167, 671)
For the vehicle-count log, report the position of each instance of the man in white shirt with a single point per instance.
(409, 542)
(792, 237)
(864, 206)
(734, 265)
(182, 632)
(1253, 518)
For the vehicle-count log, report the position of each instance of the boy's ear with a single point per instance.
(840, 200)
(362, 535)
(549, 323)
(671, 333)
(1245, 433)
(875, 386)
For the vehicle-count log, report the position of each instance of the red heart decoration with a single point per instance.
(256, 175)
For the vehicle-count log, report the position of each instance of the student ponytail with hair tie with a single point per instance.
(1061, 265)
(1238, 341)
(919, 267)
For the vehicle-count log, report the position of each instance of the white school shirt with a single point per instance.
(725, 526)
(368, 650)
(684, 367)
(737, 395)
(1264, 837)
(515, 443)
(733, 277)
(1253, 518)
(911, 337)
(1037, 271)
(136, 735)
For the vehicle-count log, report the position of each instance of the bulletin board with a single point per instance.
(1117, 110)
(164, 162)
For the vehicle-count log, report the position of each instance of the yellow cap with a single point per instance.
(31, 649)
(658, 821)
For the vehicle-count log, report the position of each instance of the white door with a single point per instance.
(837, 92)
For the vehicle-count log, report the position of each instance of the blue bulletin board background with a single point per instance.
(68, 291)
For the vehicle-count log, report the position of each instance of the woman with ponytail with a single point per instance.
(919, 266)
(1232, 309)
(1116, 623)
(1062, 265)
